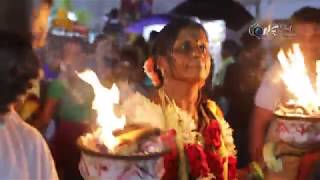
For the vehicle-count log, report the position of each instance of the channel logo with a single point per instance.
(257, 31)
(271, 31)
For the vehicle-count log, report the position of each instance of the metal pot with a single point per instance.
(103, 165)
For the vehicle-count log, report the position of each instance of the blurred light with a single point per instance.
(216, 30)
(148, 29)
(62, 32)
(196, 19)
(105, 18)
(72, 16)
(91, 37)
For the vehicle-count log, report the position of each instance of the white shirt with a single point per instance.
(271, 89)
(24, 153)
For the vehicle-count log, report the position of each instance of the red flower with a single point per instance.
(171, 160)
(215, 163)
(171, 165)
(232, 168)
(197, 160)
(212, 134)
(149, 69)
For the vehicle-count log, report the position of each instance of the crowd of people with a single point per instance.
(59, 105)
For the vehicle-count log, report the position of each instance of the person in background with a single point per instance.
(71, 99)
(129, 8)
(52, 68)
(142, 47)
(107, 55)
(53, 57)
(230, 51)
(310, 162)
(29, 107)
(24, 154)
(113, 25)
(272, 90)
(241, 82)
(129, 74)
(145, 7)
(40, 23)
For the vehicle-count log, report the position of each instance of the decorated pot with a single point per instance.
(296, 131)
(102, 165)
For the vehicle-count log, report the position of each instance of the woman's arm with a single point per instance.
(55, 92)
(260, 121)
(46, 114)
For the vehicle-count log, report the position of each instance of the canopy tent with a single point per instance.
(233, 13)
(138, 26)
(264, 9)
(276, 9)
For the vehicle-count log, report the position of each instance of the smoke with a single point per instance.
(140, 110)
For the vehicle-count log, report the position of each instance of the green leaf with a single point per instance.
(67, 4)
(83, 16)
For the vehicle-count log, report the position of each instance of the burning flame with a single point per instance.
(296, 78)
(103, 103)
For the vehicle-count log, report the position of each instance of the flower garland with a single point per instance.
(201, 155)
(213, 153)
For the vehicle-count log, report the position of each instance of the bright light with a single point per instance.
(296, 79)
(216, 30)
(72, 16)
(103, 103)
(148, 29)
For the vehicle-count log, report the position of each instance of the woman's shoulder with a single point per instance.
(26, 135)
(21, 127)
(23, 142)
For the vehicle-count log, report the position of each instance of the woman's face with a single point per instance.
(191, 59)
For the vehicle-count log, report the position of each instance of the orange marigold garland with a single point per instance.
(149, 69)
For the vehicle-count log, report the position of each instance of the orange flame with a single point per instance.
(103, 103)
(296, 78)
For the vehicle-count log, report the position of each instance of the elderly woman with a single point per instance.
(179, 66)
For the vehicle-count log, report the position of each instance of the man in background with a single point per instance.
(272, 90)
